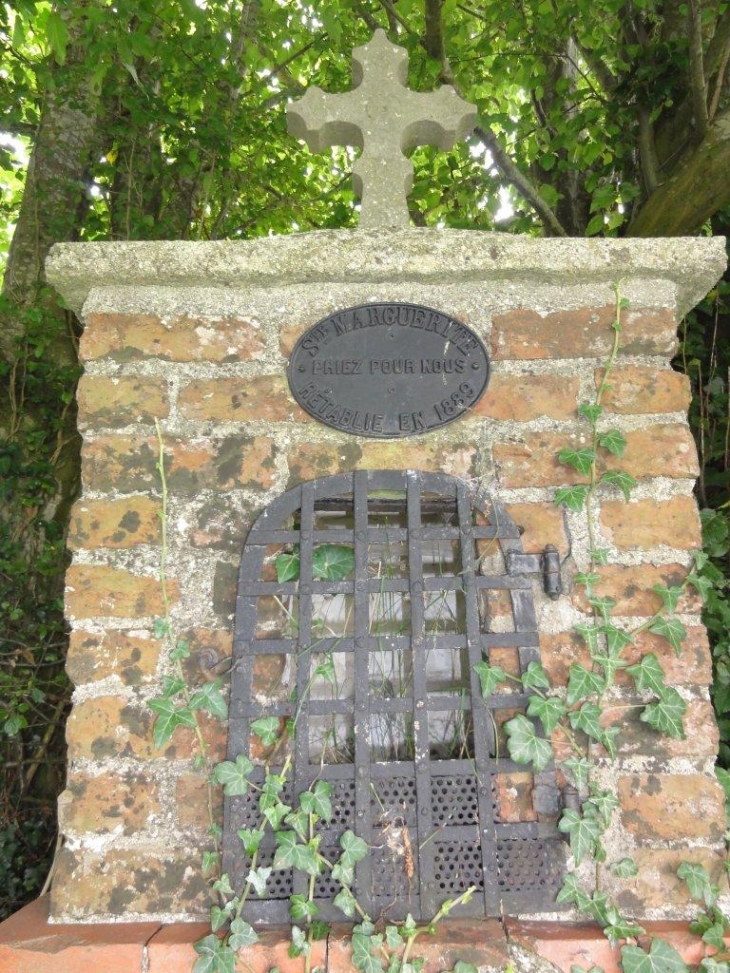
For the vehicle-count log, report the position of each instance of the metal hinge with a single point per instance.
(547, 564)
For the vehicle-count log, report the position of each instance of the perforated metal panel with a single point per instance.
(378, 668)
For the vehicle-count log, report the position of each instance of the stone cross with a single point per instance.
(383, 118)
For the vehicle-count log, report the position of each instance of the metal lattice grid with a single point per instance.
(417, 760)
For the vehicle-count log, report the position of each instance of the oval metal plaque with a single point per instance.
(388, 370)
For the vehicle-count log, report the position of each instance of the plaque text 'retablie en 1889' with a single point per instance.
(388, 370)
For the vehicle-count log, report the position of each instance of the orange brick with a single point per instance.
(656, 886)
(93, 590)
(630, 587)
(648, 523)
(264, 398)
(693, 665)
(525, 397)
(126, 337)
(310, 460)
(125, 401)
(514, 798)
(670, 806)
(128, 463)
(701, 737)
(643, 389)
(559, 651)
(108, 803)
(146, 880)
(542, 523)
(110, 726)
(585, 332)
(659, 450)
(114, 523)
(191, 799)
(130, 655)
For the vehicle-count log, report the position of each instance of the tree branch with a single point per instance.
(719, 81)
(434, 35)
(600, 69)
(697, 189)
(698, 85)
(647, 152)
(520, 182)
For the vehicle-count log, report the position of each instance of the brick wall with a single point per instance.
(197, 337)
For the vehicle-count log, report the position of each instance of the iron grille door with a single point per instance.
(377, 669)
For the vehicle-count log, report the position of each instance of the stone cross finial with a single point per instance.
(381, 116)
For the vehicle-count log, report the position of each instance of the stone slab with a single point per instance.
(30, 944)
(431, 255)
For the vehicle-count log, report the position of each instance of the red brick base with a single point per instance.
(29, 944)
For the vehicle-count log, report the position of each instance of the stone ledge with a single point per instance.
(30, 944)
(430, 255)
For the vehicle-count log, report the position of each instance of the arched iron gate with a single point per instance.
(399, 583)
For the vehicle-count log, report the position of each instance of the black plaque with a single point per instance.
(388, 370)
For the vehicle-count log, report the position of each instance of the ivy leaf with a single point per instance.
(648, 674)
(250, 839)
(589, 634)
(621, 479)
(613, 440)
(584, 833)
(326, 669)
(601, 806)
(258, 879)
(210, 861)
(233, 775)
(301, 907)
(661, 958)
(672, 630)
(489, 677)
(393, 937)
(586, 579)
(332, 562)
(169, 718)
(290, 853)
(345, 902)
(362, 956)
(241, 934)
(604, 607)
(354, 849)
(669, 595)
(288, 566)
(580, 768)
(711, 965)
(524, 745)
(625, 868)
(172, 686)
(181, 651)
(715, 935)
(215, 956)
(345, 874)
(616, 639)
(275, 813)
(549, 710)
(582, 683)
(267, 729)
(697, 879)
(591, 410)
(461, 967)
(600, 555)
(572, 894)
(299, 945)
(620, 928)
(574, 497)
(535, 677)
(580, 459)
(588, 719)
(666, 714)
(317, 801)
(218, 917)
(210, 699)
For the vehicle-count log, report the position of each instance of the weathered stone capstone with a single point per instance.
(381, 116)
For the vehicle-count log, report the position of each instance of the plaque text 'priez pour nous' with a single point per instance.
(388, 370)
